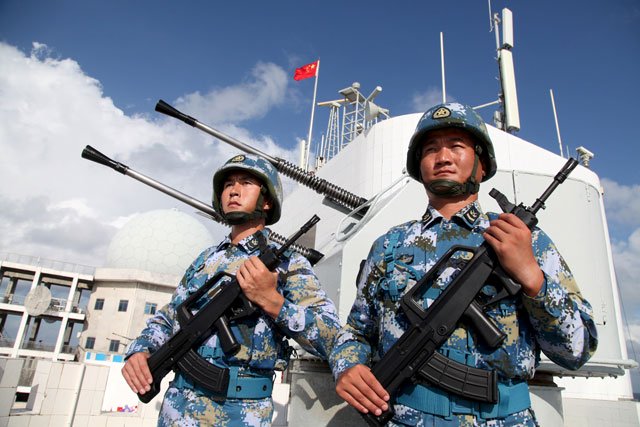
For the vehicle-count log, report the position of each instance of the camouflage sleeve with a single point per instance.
(160, 327)
(157, 332)
(308, 315)
(561, 318)
(355, 341)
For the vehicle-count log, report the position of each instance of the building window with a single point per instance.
(150, 308)
(91, 342)
(123, 305)
(99, 304)
(114, 345)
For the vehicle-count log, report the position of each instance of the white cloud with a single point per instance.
(622, 202)
(626, 257)
(623, 209)
(56, 204)
(623, 212)
(247, 100)
(424, 100)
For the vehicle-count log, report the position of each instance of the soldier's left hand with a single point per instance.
(510, 238)
(260, 286)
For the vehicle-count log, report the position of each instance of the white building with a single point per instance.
(53, 312)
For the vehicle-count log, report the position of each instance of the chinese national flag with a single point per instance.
(306, 71)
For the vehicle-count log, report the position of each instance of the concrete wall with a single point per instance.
(66, 394)
(83, 395)
(9, 376)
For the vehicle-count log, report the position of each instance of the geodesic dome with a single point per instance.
(161, 241)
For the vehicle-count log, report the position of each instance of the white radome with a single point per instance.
(161, 241)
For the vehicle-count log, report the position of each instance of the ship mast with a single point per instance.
(359, 113)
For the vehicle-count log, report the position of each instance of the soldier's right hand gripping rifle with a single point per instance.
(223, 302)
(414, 357)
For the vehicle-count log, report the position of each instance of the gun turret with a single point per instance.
(94, 155)
(339, 196)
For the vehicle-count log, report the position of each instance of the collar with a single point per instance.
(430, 217)
(470, 216)
(249, 244)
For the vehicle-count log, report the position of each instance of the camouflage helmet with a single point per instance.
(451, 114)
(264, 171)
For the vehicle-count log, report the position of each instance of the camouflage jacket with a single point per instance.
(557, 321)
(307, 316)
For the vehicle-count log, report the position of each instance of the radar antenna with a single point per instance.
(359, 113)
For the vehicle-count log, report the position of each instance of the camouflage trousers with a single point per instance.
(524, 418)
(186, 408)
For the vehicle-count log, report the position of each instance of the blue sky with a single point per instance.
(588, 52)
(98, 68)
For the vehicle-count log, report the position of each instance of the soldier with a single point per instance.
(450, 153)
(247, 192)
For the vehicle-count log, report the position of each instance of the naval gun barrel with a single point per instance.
(336, 194)
(94, 155)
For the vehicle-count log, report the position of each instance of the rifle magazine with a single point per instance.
(204, 374)
(466, 381)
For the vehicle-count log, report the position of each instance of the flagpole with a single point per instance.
(313, 109)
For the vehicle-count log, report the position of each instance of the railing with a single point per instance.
(13, 299)
(38, 346)
(69, 349)
(56, 304)
(48, 263)
(7, 342)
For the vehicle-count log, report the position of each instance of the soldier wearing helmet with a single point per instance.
(450, 154)
(247, 192)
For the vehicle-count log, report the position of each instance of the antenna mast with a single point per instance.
(555, 116)
(444, 88)
(509, 119)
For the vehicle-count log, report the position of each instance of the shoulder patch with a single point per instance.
(441, 113)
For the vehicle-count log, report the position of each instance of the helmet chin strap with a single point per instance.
(236, 218)
(449, 188)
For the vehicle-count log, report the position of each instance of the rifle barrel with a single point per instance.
(560, 177)
(337, 194)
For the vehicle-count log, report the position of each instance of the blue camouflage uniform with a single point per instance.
(307, 316)
(557, 321)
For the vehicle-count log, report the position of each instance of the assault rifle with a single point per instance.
(414, 357)
(223, 302)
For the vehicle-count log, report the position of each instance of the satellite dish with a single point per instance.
(37, 301)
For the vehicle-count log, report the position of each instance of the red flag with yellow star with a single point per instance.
(306, 71)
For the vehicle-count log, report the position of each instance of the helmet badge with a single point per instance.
(441, 113)
(237, 159)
